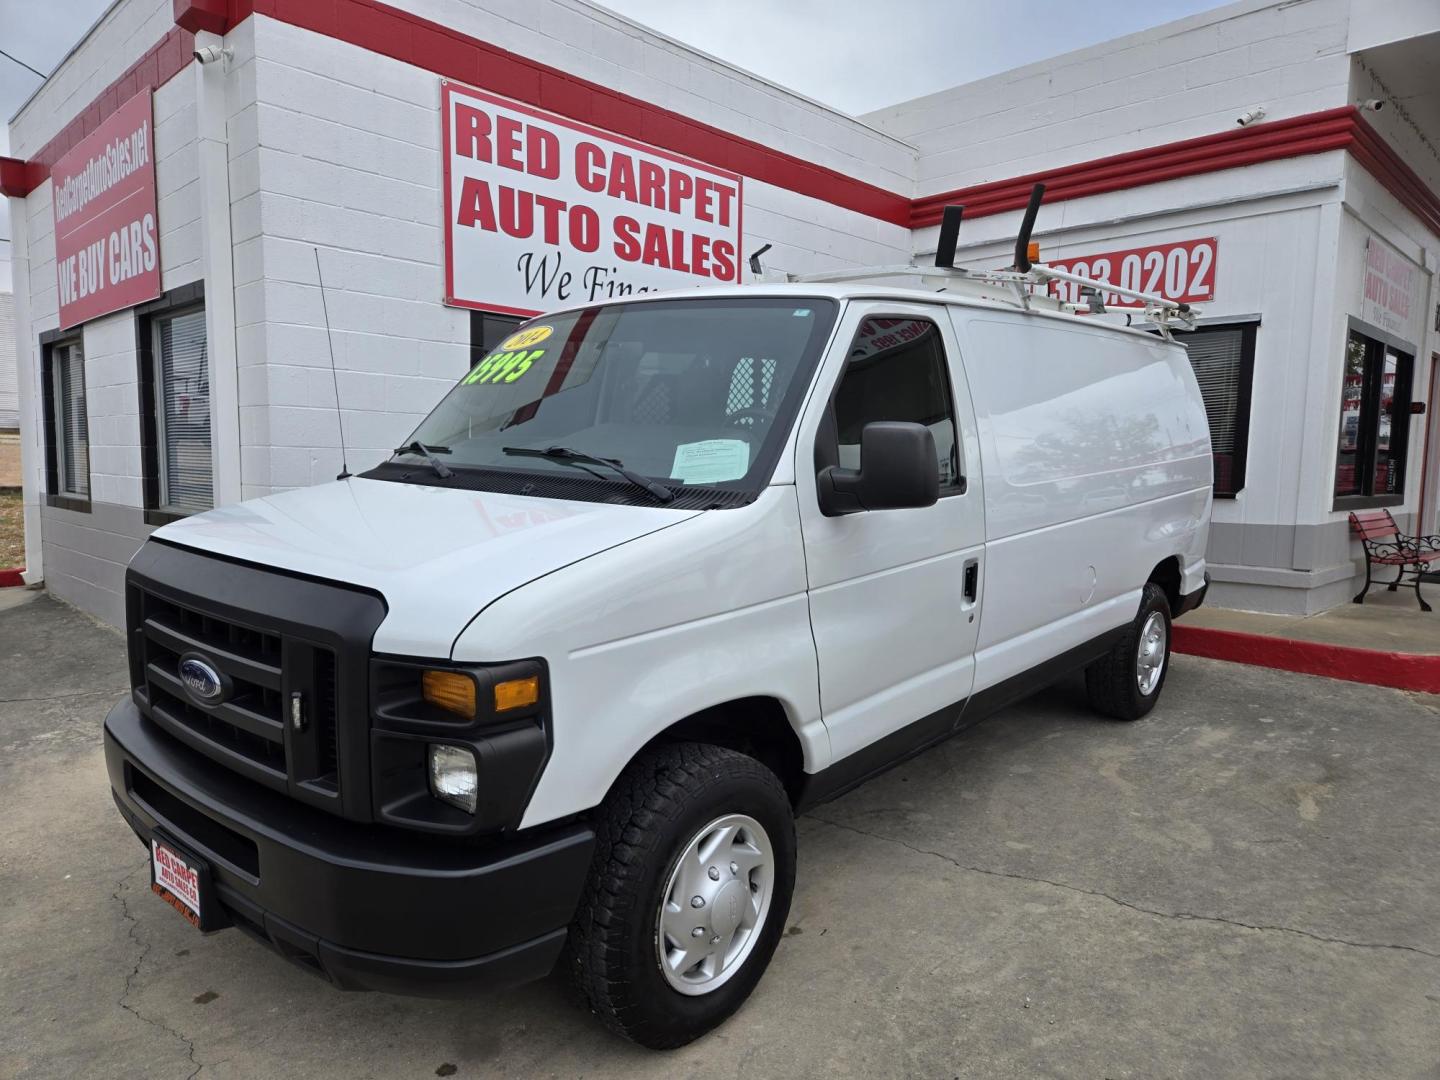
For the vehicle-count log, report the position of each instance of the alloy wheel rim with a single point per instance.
(1150, 658)
(715, 904)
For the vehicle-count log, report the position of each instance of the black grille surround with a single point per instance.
(271, 635)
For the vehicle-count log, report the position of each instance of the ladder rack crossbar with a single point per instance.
(1049, 273)
(1157, 308)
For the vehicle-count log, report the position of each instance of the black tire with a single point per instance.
(1111, 682)
(659, 803)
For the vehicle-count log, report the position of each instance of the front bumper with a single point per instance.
(369, 907)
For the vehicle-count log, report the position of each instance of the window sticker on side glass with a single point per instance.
(711, 461)
(513, 358)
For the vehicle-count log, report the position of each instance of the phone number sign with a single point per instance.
(1183, 272)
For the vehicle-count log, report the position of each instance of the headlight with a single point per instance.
(439, 729)
(453, 776)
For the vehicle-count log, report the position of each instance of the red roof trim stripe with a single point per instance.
(1333, 129)
(19, 178)
(1291, 137)
(1372, 151)
(437, 48)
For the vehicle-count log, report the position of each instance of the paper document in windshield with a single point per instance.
(711, 461)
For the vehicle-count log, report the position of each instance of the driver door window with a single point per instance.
(896, 371)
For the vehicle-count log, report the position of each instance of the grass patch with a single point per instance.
(12, 530)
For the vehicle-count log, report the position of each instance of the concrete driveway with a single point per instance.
(1244, 884)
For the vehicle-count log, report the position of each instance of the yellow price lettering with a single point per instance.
(503, 367)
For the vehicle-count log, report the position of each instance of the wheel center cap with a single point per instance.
(728, 907)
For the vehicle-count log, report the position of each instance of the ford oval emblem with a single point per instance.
(202, 682)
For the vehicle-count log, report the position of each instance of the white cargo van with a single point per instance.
(654, 577)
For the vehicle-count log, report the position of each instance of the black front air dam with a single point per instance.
(370, 907)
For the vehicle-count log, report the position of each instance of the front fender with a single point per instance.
(657, 629)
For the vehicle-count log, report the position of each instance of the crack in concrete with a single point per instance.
(145, 946)
(1185, 916)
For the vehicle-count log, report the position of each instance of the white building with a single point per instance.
(1312, 232)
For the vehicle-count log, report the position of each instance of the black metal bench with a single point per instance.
(1386, 545)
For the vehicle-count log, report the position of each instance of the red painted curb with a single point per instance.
(9, 578)
(1403, 671)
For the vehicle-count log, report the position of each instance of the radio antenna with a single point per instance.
(334, 378)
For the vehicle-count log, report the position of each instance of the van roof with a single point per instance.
(956, 294)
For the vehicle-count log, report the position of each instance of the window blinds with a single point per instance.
(72, 435)
(184, 406)
(1216, 357)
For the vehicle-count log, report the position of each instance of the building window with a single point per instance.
(896, 371)
(67, 432)
(487, 331)
(175, 406)
(1374, 421)
(1223, 359)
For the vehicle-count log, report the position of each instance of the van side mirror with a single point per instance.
(898, 470)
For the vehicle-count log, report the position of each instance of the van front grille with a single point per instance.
(247, 731)
(292, 654)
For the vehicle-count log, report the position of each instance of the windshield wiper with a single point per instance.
(415, 446)
(574, 457)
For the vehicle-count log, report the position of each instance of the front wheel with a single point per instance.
(1125, 683)
(688, 892)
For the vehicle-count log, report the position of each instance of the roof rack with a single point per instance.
(1014, 285)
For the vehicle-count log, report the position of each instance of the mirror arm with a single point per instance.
(839, 491)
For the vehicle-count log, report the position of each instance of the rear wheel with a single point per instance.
(688, 893)
(1126, 682)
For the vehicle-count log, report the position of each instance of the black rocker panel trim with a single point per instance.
(1018, 687)
(889, 751)
(884, 753)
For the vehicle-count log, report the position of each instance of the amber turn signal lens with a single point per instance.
(1032, 251)
(517, 693)
(451, 691)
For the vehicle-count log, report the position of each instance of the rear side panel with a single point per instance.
(1097, 467)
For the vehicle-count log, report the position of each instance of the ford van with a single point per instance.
(551, 684)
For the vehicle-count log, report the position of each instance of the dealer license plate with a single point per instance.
(182, 881)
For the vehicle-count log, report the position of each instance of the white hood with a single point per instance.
(437, 555)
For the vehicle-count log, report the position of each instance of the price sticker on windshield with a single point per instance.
(512, 359)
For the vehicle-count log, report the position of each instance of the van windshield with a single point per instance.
(683, 392)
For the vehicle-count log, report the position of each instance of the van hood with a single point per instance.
(437, 555)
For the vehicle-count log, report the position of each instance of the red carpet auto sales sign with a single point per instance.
(542, 211)
(107, 256)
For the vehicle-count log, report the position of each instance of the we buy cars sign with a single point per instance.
(107, 256)
(542, 211)
(1183, 272)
